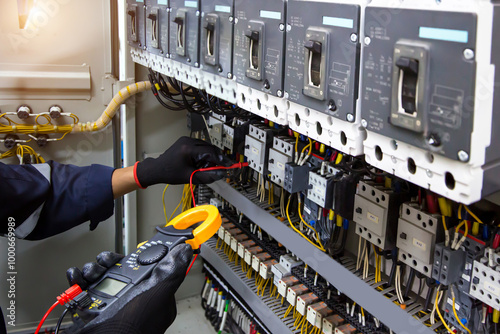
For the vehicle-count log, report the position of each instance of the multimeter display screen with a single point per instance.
(110, 286)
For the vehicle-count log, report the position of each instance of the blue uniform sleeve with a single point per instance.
(48, 199)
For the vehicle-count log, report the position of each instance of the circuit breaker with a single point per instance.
(279, 155)
(136, 34)
(258, 57)
(217, 36)
(322, 70)
(185, 31)
(376, 213)
(418, 233)
(157, 27)
(216, 48)
(427, 99)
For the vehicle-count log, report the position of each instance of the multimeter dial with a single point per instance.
(152, 254)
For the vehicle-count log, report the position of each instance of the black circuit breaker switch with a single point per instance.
(410, 85)
(315, 60)
(314, 64)
(211, 51)
(255, 37)
(408, 78)
(180, 20)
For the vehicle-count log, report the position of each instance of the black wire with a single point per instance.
(59, 322)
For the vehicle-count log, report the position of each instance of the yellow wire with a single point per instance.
(163, 200)
(296, 145)
(312, 228)
(311, 146)
(296, 230)
(177, 207)
(439, 312)
(472, 214)
(444, 223)
(456, 317)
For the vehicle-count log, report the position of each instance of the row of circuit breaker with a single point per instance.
(409, 85)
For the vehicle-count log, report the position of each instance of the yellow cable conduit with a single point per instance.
(97, 125)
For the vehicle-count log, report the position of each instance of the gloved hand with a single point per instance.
(149, 308)
(178, 162)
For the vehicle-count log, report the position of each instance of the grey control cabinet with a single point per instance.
(418, 87)
(185, 31)
(322, 56)
(157, 27)
(259, 44)
(216, 33)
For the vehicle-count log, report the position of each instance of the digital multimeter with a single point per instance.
(137, 266)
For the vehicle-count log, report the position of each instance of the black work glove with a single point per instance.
(178, 162)
(149, 308)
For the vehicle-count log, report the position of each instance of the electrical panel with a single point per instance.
(259, 36)
(321, 73)
(427, 95)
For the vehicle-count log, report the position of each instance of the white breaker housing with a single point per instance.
(468, 181)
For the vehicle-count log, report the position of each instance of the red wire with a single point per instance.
(187, 272)
(235, 166)
(45, 317)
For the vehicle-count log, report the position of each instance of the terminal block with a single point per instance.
(376, 213)
(418, 233)
(280, 154)
(256, 147)
(296, 177)
(449, 265)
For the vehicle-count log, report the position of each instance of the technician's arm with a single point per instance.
(47, 199)
(123, 181)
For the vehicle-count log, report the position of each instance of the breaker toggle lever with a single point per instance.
(314, 62)
(408, 84)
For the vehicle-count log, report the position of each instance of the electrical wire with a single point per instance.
(59, 322)
(45, 316)
(455, 312)
(163, 201)
(436, 305)
(234, 166)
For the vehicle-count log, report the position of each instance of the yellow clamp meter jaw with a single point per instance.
(137, 266)
(208, 214)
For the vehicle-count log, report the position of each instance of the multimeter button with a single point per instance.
(152, 254)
